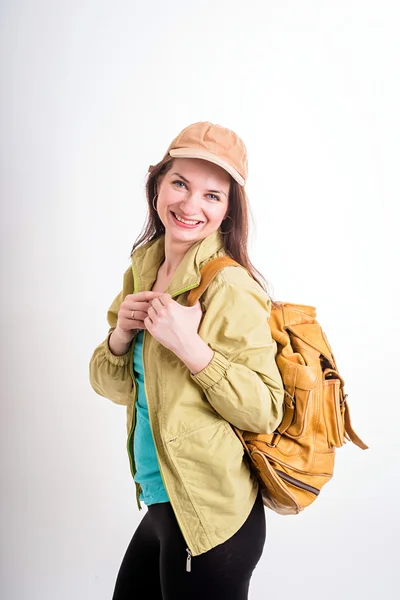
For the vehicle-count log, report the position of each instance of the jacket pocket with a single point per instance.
(235, 439)
(210, 465)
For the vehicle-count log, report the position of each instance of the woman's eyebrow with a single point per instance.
(182, 177)
(187, 181)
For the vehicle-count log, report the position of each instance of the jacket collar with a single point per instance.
(147, 258)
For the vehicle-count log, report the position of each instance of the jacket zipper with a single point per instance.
(189, 555)
(188, 561)
(129, 445)
(130, 436)
(297, 483)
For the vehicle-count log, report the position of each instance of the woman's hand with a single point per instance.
(173, 325)
(133, 311)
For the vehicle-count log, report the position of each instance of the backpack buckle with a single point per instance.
(275, 440)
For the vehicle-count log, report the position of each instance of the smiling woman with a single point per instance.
(185, 183)
(208, 174)
(188, 373)
(186, 204)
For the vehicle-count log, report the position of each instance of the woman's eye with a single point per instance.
(180, 183)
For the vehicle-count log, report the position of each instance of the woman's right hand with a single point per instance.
(136, 305)
(127, 326)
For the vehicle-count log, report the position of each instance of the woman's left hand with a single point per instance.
(172, 324)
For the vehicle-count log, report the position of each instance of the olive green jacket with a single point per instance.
(208, 481)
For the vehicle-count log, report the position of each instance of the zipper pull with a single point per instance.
(188, 560)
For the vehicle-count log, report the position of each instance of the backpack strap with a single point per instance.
(350, 434)
(289, 381)
(208, 272)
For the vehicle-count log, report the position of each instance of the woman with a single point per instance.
(186, 373)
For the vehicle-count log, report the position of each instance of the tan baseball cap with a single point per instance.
(213, 143)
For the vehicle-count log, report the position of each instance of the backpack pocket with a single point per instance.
(333, 408)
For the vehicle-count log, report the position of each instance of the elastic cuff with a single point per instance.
(118, 361)
(213, 372)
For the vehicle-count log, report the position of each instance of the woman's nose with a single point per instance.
(191, 204)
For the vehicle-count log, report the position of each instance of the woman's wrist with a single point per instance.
(196, 355)
(119, 341)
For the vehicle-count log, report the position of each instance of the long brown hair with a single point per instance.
(237, 229)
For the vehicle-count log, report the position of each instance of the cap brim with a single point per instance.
(204, 155)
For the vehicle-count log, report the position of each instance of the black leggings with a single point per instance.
(154, 565)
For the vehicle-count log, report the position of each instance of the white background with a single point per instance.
(92, 92)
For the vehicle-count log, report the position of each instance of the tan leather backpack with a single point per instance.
(293, 463)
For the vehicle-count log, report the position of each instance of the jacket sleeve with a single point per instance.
(109, 374)
(242, 381)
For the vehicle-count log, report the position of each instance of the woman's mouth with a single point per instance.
(185, 223)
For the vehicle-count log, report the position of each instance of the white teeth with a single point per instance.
(184, 221)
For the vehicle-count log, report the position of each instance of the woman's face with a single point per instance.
(198, 192)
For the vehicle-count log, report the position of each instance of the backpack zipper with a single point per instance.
(297, 483)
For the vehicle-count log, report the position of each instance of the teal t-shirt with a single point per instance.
(147, 468)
